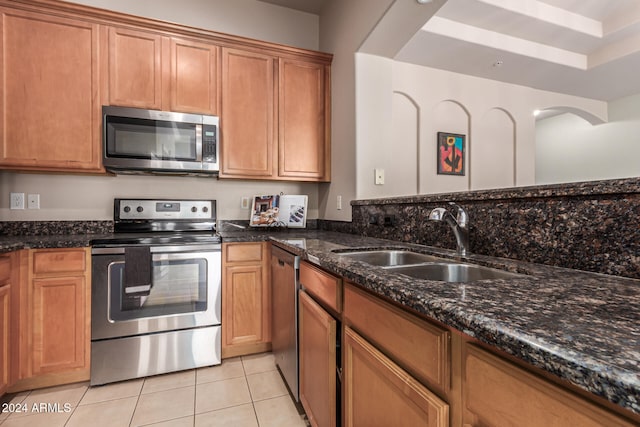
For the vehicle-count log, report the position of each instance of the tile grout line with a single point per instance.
(253, 404)
(77, 405)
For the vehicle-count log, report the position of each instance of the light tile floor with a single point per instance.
(243, 391)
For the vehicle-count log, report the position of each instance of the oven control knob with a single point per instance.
(139, 208)
(127, 209)
(205, 209)
(194, 209)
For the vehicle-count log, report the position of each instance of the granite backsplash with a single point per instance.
(50, 228)
(591, 226)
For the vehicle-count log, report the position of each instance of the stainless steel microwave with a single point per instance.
(137, 141)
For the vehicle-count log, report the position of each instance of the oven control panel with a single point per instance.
(148, 209)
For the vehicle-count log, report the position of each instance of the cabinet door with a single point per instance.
(303, 121)
(246, 299)
(379, 393)
(59, 319)
(5, 323)
(135, 69)
(194, 77)
(247, 116)
(49, 103)
(317, 362)
(498, 393)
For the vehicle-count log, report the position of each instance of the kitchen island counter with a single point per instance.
(579, 326)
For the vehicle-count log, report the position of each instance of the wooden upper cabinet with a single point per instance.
(194, 77)
(50, 106)
(135, 70)
(149, 70)
(304, 126)
(247, 116)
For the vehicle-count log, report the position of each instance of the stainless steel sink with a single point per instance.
(388, 258)
(453, 272)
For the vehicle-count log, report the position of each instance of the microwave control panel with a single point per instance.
(209, 143)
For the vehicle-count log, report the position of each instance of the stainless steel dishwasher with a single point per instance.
(284, 334)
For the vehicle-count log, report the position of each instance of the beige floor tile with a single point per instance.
(236, 416)
(169, 381)
(113, 391)
(112, 413)
(221, 394)
(256, 363)
(38, 420)
(178, 422)
(164, 405)
(266, 385)
(230, 368)
(68, 395)
(278, 412)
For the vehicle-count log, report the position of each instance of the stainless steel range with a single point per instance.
(156, 290)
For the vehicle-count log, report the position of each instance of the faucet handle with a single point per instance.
(462, 216)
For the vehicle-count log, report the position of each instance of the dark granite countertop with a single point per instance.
(582, 327)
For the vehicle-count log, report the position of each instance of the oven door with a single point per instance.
(185, 292)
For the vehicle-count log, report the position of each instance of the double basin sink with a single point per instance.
(429, 267)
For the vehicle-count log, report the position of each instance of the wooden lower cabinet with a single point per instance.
(55, 317)
(246, 299)
(317, 350)
(499, 393)
(377, 392)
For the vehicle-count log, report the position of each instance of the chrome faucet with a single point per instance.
(459, 225)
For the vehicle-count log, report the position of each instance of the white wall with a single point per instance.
(569, 149)
(83, 197)
(496, 117)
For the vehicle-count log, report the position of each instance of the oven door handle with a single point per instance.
(161, 249)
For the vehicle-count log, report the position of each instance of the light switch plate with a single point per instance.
(379, 176)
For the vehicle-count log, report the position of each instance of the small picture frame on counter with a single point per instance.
(279, 211)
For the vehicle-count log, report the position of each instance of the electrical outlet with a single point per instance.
(379, 176)
(16, 201)
(339, 203)
(244, 203)
(33, 201)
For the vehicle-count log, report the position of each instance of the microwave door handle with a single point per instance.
(199, 137)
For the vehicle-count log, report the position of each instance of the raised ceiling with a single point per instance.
(588, 48)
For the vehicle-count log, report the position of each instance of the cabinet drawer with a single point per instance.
(5, 268)
(422, 348)
(324, 286)
(59, 261)
(243, 252)
(497, 392)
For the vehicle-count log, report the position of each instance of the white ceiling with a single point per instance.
(588, 48)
